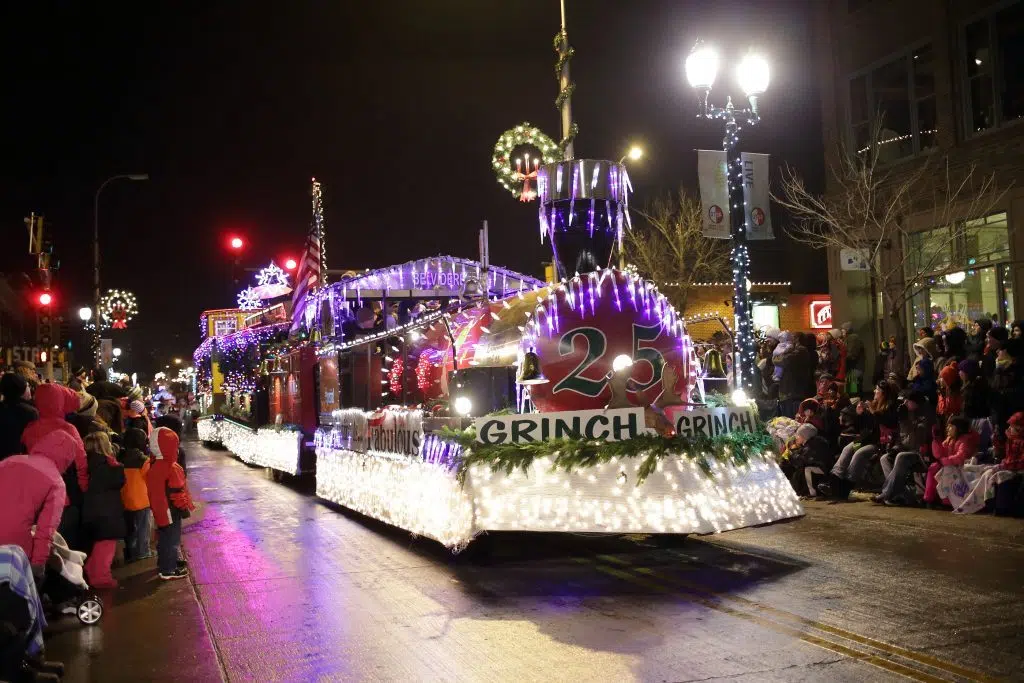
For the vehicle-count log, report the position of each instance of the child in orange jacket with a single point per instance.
(169, 499)
(135, 495)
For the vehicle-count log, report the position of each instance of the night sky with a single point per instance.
(394, 106)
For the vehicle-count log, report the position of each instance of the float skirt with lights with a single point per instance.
(441, 492)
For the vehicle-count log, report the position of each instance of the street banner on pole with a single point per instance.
(756, 177)
(714, 193)
(106, 353)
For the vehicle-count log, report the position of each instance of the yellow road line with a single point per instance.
(919, 657)
(838, 648)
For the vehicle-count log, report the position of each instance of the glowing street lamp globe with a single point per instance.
(752, 74)
(116, 352)
(85, 314)
(702, 66)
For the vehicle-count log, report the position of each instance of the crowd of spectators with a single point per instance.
(943, 428)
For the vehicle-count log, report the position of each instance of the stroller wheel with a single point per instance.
(90, 610)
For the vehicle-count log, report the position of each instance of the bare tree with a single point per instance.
(668, 247)
(873, 208)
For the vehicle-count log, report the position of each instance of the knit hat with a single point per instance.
(969, 367)
(808, 404)
(999, 334)
(950, 375)
(12, 386)
(807, 431)
(1014, 347)
(78, 370)
(137, 406)
(87, 405)
(135, 438)
(135, 394)
(928, 346)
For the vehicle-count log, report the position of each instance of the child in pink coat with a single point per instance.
(960, 445)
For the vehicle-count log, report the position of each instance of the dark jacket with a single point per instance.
(975, 396)
(106, 391)
(15, 413)
(1006, 395)
(925, 380)
(914, 429)
(102, 511)
(797, 373)
(816, 452)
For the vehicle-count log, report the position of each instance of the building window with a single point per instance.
(765, 315)
(993, 55)
(899, 98)
(224, 326)
(962, 271)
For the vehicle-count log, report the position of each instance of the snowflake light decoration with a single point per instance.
(117, 308)
(249, 299)
(272, 276)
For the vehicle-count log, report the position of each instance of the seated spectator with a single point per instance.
(959, 446)
(922, 372)
(877, 423)
(950, 397)
(1006, 387)
(810, 413)
(906, 451)
(809, 458)
(848, 426)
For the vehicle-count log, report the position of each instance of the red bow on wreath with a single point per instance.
(119, 315)
(528, 194)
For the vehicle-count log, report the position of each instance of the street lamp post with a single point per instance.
(752, 75)
(96, 257)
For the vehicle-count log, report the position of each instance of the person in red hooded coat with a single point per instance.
(32, 493)
(169, 500)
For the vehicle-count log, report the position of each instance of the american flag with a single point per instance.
(312, 263)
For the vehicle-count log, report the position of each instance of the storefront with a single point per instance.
(969, 273)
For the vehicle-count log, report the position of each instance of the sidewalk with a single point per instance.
(151, 630)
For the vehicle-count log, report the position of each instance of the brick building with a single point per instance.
(948, 77)
(774, 305)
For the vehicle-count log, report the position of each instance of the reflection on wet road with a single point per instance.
(294, 589)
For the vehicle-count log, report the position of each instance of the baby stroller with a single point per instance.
(21, 622)
(64, 585)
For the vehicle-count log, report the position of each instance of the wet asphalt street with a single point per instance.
(287, 588)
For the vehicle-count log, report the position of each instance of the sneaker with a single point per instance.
(877, 500)
(179, 573)
(894, 503)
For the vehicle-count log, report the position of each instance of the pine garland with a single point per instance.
(575, 454)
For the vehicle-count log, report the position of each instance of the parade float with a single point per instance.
(452, 398)
(526, 406)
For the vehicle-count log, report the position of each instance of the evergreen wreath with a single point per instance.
(523, 134)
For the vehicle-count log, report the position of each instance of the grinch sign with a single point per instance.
(594, 319)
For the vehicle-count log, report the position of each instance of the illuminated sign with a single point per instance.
(821, 315)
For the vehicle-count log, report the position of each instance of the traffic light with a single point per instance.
(44, 320)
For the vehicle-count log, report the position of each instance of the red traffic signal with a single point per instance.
(236, 243)
(290, 264)
(45, 299)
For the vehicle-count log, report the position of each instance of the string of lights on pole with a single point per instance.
(752, 76)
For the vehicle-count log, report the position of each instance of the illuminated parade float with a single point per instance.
(450, 398)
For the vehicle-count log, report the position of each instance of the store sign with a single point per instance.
(821, 315)
(600, 425)
(710, 421)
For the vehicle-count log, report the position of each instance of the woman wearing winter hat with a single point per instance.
(16, 412)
